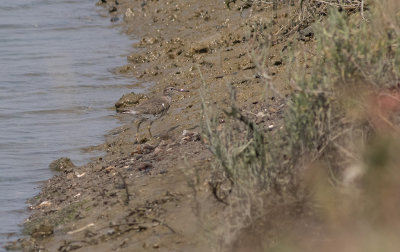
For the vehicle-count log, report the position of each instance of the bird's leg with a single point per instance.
(138, 123)
(149, 128)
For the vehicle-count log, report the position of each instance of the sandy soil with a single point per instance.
(147, 197)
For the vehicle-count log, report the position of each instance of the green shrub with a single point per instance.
(354, 49)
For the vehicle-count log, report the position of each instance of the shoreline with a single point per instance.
(139, 197)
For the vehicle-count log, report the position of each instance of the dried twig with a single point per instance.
(164, 224)
(81, 229)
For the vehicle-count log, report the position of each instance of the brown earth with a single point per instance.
(155, 196)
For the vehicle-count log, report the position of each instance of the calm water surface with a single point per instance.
(56, 93)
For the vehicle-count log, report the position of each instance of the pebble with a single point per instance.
(112, 9)
(114, 19)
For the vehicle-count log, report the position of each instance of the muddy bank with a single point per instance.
(155, 195)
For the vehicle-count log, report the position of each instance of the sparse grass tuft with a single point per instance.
(354, 49)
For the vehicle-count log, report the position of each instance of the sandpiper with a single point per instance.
(153, 108)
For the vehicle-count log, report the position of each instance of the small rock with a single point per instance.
(143, 149)
(306, 34)
(111, 231)
(112, 9)
(69, 247)
(145, 166)
(101, 2)
(123, 243)
(129, 13)
(199, 48)
(147, 148)
(70, 176)
(42, 231)
(114, 19)
(44, 204)
(272, 110)
(190, 136)
(124, 69)
(148, 41)
(158, 150)
(90, 234)
(62, 164)
(128, 100)
(260, 114)
(109, 169)
(247, 65)
(205, 45)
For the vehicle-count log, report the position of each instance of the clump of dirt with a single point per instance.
(154, 195)
(128, 100)
(61, 164)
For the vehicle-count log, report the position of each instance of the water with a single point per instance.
(56, 93)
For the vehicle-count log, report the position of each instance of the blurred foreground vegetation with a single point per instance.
(337, 151)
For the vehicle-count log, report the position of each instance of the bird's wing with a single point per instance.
(153, 106)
